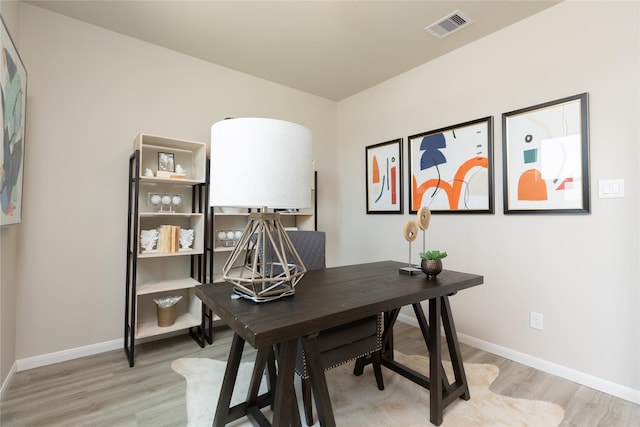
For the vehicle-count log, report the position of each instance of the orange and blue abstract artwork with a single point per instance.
(384, 174)
(450, 168)
(545, 157)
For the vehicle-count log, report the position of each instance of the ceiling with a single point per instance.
(332, 49)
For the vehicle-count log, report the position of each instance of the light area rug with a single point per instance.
(357, 401)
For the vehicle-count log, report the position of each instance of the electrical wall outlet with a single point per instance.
(536, 320)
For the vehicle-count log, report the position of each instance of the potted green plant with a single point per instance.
(431, 263)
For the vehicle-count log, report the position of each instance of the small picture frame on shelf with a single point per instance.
(166, 162)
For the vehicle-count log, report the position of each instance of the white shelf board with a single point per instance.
(296, 213)
(182, 182)
(231, 213)
(157, 254)
(150, 328)
(167, 285)
(170, 214)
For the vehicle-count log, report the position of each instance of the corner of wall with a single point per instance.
(6, 382)
(8, 244)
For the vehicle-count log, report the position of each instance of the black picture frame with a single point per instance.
(545, 151)
(383, 177)
(451, 169)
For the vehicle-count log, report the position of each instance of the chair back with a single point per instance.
(310, 245)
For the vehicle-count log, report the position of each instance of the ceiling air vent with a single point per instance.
(449, 24)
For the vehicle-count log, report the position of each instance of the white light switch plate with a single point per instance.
(610, 188)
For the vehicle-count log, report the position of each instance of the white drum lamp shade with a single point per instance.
(259, 162)
(265, 164)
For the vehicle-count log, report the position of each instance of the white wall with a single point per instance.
(581, 272)
(90, 92)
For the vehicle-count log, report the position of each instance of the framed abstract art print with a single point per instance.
(546, 157)
(13, 79)
(384, 177)
(451, 168)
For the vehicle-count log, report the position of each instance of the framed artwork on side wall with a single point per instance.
(546, 157)
(13, 79)
(384, 177)
(451, 168)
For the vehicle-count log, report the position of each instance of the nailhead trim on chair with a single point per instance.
(305, 373)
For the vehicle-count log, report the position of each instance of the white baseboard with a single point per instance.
(78, 352)
(617, 390)
(64, 355)
(7, 381)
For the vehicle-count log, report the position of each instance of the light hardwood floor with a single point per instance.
(102, 390)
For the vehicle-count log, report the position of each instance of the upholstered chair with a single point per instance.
(356, 341)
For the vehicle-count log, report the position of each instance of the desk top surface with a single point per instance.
(327, 298)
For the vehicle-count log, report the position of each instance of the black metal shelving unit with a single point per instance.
(202, 333)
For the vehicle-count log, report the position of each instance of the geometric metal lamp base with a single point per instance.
(264, 265)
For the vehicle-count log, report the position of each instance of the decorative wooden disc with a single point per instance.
(410, 231)
(424, 216)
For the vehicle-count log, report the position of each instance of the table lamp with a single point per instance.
(261, 164)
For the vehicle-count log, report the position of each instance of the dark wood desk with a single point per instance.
(327, 298)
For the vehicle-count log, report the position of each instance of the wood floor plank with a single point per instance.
(102, 390)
